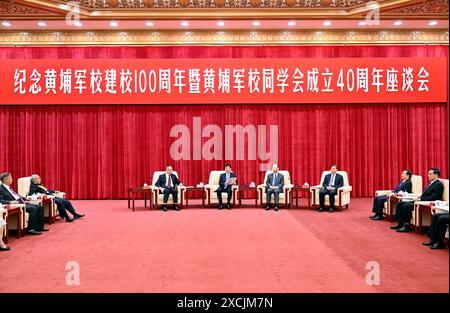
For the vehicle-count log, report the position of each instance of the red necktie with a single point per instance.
(169, 184)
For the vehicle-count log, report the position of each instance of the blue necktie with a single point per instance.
(273, 181)
(331, 180)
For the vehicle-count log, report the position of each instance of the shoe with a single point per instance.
(437, 245)
(164, 208)
(267, 208)
(378, 218)
(220, 207)
(398, 226)
(331, 210)
(33, 232)
(405, 229)
(321, 209)
(78, 216)
(276, 208)
(5, 249)
(228, 207)
(42, 230)
(373, 216)
(429, 243)
(176, 208)
(70, 220)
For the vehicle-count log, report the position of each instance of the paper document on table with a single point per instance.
(230, 181)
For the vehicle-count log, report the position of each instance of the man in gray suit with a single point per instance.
(274, 186)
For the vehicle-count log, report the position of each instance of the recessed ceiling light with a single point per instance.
(6, 24)
(327, 23)
(113, 24)
(78, 24)
(256, 23)
(184, 23)
(64, 6)
(432, 23)
(220, 23)
(149, 24)
(42, 24)
(398, 23)
(292, 23)
(362, 23)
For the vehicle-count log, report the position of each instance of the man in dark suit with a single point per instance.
(63, 205)
(35, 211)
(225, 184)
(167, 184)
(274, 186)
(331, 183)
(437, 230)
(404, 185)
(432, 192)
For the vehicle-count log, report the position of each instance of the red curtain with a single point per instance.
(96, 152)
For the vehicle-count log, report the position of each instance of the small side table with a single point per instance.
(191, 191)
(15, 211)
(295, 191)
(252, 190)
(132, 195)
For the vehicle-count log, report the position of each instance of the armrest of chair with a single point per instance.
(261, 186)
(60, 195)
(207, 186)
(382, 192)
(38, 201)
(345, 189)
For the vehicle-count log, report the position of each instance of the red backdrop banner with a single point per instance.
(208, 81)
(98, 151)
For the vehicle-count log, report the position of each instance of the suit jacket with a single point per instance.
(40, 189)
(338, 181)
(279, 181)
(433, 192)
(223, 180)
(6, 197)
(161, 182)
(405, 186)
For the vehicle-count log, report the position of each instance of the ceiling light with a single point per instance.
(398, 23)
(149, 24)
(292, 23)
(42, 24)
(362, 23)
(256, 23)
(184, 23)
(6, 24)
(220, 23)
(432, 23)
(113, 24)
(327, 23)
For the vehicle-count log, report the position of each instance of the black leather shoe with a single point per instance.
(331, 210)
(267, 208)
(33, 232)
(373, 216)
(398, 226)
(378, 218)
(164, 208)
(42, 230)
(5, 249)
(176, 208)
(79, 216)
(437, 245)
(276, 208)
(321, 209)
(405, 229)
(228, 207)
(220, 207)
(70, 220)
(428, 243)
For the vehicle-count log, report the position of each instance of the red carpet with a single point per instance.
(206, 250)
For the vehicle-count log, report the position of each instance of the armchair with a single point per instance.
(426, 216)
(284, 197)
(211, 187)
(343, 195)
(157, 198)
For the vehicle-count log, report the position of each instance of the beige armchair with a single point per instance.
(12, 220)
(211, 187)
(284, 197)
(426, 216)
(3, 215)
(416, 189)
(50, 211)
(157, 198)
(343, 195)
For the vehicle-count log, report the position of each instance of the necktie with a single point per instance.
(16, 194)
(169, 184)
(331, 180)
(274, 179)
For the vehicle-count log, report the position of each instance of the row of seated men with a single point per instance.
(433, 191)
(168, 182)
(36, 211)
